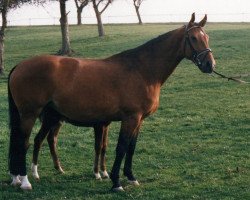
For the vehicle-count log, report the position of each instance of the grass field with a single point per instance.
(196, 146)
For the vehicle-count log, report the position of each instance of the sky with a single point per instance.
(122, 11)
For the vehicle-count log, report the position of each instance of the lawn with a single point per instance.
(196, 146)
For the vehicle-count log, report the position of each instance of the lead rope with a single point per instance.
(234, 78)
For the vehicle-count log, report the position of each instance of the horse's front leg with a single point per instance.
(128, 133)
(127, 170)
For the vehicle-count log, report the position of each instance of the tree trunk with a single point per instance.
(2, 36)
(79, 16)
(1, 53)
(138, 15)
(99, 20)
(65, 50)
(100, 25)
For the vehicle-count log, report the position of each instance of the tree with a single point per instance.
(80, 4)
(98, 12)
(65, 50)
(137, 4)
(5, 5)
(3, 9)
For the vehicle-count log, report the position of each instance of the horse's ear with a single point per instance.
(192, 19)
(203, 21)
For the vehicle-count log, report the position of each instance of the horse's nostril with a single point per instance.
(208, 64)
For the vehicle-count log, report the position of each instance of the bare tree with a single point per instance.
(97, 4)
(65, 49)
(5, 5)
(137, 4)
(80, 4)
(3, 9)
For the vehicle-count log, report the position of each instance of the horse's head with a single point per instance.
(196, 47)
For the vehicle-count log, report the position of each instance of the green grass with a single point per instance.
(196, 146)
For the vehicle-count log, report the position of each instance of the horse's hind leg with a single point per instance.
(50, 123)
(98, 144)
(104, 172)
(19, 143)
(43, 132)
(52, 141)
(101, 133)
(49, 127)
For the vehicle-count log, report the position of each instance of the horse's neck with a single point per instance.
(157, 59)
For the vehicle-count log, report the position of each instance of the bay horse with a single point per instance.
(124, 87)
(51, 131)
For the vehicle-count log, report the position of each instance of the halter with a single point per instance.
(196, 57)
(195, 54)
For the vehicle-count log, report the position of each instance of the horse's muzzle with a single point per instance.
(208, 64)
(207, 67)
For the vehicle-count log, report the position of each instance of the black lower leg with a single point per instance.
(114, 175)
(17, 156)
(121, 149)
(127, 171)
(129, 129)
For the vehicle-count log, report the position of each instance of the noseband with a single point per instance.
(196, 55)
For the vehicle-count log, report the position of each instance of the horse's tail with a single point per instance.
(14, 122)
(14, 117)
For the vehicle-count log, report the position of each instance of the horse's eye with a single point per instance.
(193, 38)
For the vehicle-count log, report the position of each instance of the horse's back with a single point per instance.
(41, 65)
(71, 84)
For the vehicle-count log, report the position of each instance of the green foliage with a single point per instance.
(196, 146)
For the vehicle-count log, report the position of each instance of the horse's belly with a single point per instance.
(88, 109)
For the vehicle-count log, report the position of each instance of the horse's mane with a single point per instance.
(148, 45)
(133, 54)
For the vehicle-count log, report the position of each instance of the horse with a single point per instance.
(94, 92)
(101, 139)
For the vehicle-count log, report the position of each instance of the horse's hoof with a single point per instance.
(26, 187)
(105, 174)
(15, 181)
(98, 176)
(34, 171)
(118, 189)
(135, 182)
(25, 183)
(36, 177)
(61, 170)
